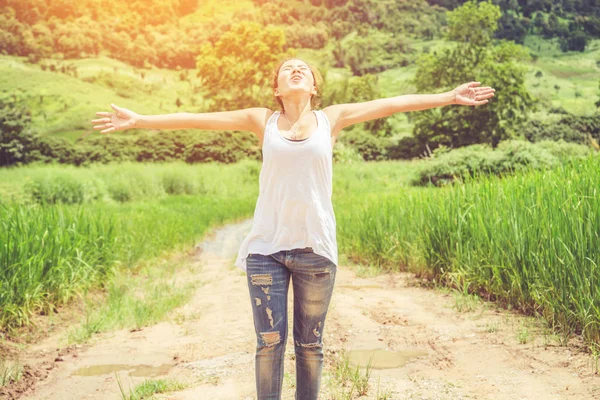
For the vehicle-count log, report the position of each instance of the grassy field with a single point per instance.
(64, 105)
(122, 215)
(529, 240)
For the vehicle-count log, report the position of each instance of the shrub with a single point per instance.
(345, 154)
(370, 147)
(570, 128)
(508, 157)
(56, 188)
(404, 148)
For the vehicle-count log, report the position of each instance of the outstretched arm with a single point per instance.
(344, 115)
(248, 119)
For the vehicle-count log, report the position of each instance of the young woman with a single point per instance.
(293, 236)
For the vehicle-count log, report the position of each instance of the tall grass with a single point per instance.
(51, 251)
(531, 240)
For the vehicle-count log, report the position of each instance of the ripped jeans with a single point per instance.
(269, 276)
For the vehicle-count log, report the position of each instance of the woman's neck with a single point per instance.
(294, 110)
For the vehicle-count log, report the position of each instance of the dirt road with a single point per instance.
(425, 348)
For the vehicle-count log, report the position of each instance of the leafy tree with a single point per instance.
(375, 52)
(354, 90)
(16, 136)
(575, 41)
(539, 22)
(553, 28)
(236, 71)
(475, 58)
(511, 28)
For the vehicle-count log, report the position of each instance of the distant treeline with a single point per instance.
(20, 145)
(157, 32)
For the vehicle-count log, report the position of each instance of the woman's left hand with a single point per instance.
(469, 95)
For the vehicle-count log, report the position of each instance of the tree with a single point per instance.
(354, 90)
(236, 71)
(539, 22)
(511, 28)
(575, 41)
(474, 58)
(16, 137)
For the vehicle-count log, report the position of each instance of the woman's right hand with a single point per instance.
(119, 120)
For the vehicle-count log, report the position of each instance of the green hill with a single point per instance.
(63, 104)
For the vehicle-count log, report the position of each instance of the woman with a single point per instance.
(293, 236)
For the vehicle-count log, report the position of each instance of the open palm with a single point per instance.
(469, 95)
(119, 120)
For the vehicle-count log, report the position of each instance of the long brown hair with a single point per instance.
(315, 100)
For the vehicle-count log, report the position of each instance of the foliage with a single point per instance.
(373, 51)
(310, 37)
(235, 70)
(20, 145)
(16, 137)
(473, 59)
(169, 33)
(509, 157)
(406, 147)
(571, 128)
(370, 147)
(346, 154)
(52, 253)
(530, 240)
(357, 89)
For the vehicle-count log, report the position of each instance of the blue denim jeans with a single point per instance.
(269, 276)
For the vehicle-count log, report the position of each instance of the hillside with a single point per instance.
(63, 104)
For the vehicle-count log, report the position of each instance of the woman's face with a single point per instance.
(295, 77)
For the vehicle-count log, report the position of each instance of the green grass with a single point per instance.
(64, 105)
(146, 389)
(530, 240)
(10, 371)
(346, 382)
(134, 300)
(129, 213)
(576, 73)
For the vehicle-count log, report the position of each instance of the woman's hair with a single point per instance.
(315, 100)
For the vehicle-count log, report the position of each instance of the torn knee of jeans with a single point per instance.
(310, 345)
(261, 279)
(270, 338)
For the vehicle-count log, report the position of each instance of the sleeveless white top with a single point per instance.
(294, 208)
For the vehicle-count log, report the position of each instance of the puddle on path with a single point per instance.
(383, 359)
(134, 370)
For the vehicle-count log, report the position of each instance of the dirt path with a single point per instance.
(432, 350)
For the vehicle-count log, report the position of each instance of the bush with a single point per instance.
(508, 157)
(345, 154)
(57, 188)
(370, 147)
(405, 148)
(570, 128)
(225, 147)
(16, 136)
(179, 182)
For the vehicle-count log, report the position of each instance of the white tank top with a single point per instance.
(294, 208)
